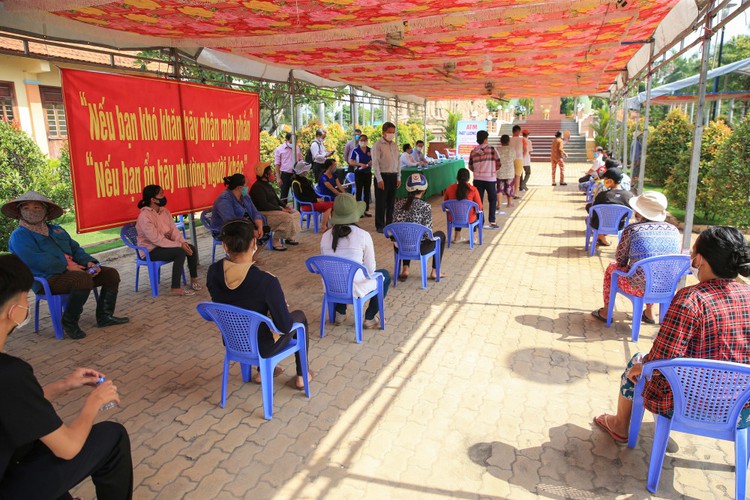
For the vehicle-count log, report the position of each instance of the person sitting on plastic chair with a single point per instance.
(649, 237)
(708, 320)
(40, 455)
(237, 281)
(346, 239)
(414, 209)
(49, 251)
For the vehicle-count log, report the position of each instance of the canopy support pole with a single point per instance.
(424, 124)
(395, 120)
(293, 103)
(644, 140)
(697, 138)
(624, 131)
(352, 108)
(612, 125)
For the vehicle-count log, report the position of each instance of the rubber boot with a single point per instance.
(72, 313)
(106, 308)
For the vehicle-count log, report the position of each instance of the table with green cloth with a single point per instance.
(439, 176)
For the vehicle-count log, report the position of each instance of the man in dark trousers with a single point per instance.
(40, 455)
(387, 170)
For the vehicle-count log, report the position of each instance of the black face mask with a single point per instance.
(161, 201)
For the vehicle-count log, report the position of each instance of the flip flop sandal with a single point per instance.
(186, 292)
(403, 277)
(595, 313)
(196, 286)
(646, 320)
(601, 422)
(291, 242)
(442, 276)
(280, 249)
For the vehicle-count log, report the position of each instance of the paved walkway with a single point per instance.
(481, 386)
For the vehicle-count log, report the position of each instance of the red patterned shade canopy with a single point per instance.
(428, 48)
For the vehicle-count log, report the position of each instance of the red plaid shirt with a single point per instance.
(710, 320)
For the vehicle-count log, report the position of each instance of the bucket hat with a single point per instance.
(346, 209)
(651, 204)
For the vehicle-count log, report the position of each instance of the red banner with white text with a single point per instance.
(126, 132)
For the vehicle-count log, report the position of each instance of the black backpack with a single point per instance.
(309, 156)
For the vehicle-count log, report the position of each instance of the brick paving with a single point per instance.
(481, 386)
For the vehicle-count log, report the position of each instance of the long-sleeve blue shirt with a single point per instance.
(45, 255)
(227, 207)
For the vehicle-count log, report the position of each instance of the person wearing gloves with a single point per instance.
(40, 455)
(49, 251)
(157, 232)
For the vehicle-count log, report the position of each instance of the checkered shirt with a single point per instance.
(710, 320)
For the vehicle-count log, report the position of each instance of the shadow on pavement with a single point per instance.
(563, 252)
(572, 464)
(553, 366)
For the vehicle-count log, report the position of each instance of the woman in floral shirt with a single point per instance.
(414, 209)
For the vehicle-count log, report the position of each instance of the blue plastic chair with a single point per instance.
(708, 398)
(350, 179)
(180, 224)
(129, 236)
(408, 237)
(325, 197)
(206, 220)
(609, 222)
(663, 273)
(239, 330)
(56, 304)
(458, 212)
(590, 191)
(338, 279)
(305, 216)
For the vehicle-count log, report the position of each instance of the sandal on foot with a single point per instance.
(302, 385)
(277, 370)
(647, 320)
(196, 286)
(402, 277)
(186, 292)
(595, 313)
(433, 277)
(601, 422)
(280, 248)
(291, 242)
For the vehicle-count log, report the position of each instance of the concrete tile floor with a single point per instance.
(481, 386)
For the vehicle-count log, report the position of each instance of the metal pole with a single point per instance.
(353, 107)
(424, 124)
(644, 140)
(633, 146)
(612, 125)
(395, 121)
(624, 131)
(697, 138)
(716, 105)
(292, 90)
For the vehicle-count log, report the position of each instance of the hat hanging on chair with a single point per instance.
(11, 209)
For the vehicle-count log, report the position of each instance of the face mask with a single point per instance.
(596, 155)
(356, 137)
(25, 320)
(33, 216)
(419, 148)
(244, 190)
(695, 270)
(161, 201)
(363, 145)
(271, 177)
(389, 137)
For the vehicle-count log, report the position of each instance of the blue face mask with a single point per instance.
(244, 190)
(356, 137)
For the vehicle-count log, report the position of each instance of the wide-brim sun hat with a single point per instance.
(301, 167)
(347, 210)
(651, 204)
(11, 209)
(416, 182)
(261, 167)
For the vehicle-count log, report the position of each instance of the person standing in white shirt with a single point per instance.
(285, 161)
(387, 170)
(519, 148)
(319, 153)
(526, 160)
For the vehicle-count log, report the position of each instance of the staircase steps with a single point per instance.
(542, 133)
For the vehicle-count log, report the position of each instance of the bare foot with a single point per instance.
(299, 383)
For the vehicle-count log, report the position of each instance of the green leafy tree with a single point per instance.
(411, 132)
(268, 143)
(23, 166)
(666, 145)
(450, 128)
(600, 126)
(707, 197)
(731, 173)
